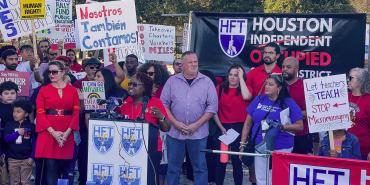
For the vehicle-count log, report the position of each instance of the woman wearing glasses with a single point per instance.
(359, 98)
(264, 113)
(140, 91)
(57, 108)
(158, 74)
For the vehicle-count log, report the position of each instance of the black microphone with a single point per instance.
(145, 103)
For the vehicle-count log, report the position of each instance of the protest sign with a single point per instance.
(107, 25)
(327, 103)
(158, 42)
(295, 169)
(93, 90)
(22, 79)
(13, 27)
(32, 9)
(121, 54)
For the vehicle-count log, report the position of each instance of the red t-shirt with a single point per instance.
(76, 68)
(296, 92)
(361, 129)
(78, 83)
(128, 109)
(231, 107)
(256, 77)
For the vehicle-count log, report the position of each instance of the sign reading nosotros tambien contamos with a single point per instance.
(107, 25)
(32, 9)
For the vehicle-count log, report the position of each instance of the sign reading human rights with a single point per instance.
(158, 42)
(107, 25)
(327, 103)
(32, 9)
(325, 44)
(22, 79)
(295, 169)
(11, 25)
(92, 91)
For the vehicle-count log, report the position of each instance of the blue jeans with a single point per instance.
(176, 153)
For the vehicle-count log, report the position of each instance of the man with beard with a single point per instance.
(257, 76)
(302, 140)
(10, 59)
(131, 64)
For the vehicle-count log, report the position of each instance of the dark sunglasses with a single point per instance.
(53, 54)
(150, 73)
(94, 67)
(134, 84)
(53, 72)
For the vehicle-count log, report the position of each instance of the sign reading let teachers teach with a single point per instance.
(32, 9)
(107, 25)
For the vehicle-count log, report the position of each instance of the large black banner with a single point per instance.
(325, 44)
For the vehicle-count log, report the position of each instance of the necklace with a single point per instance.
(353, 108)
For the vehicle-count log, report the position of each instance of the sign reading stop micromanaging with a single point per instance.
(327, 103)
(107, 25)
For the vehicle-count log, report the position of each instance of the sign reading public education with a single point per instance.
(22, 79)
(11, 25)
(92, 91)
(327, 103)
(325, 44)
(32, 9)
(107, 25)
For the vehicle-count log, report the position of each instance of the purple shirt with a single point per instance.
(188, 103)
(260, 107)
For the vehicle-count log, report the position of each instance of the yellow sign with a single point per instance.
(32, 9)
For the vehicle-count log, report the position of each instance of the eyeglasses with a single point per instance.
(134, 84)
(53, 54)
(178, 64)
(94, 67)
(150, 73)
(278, 77)
(53, 72)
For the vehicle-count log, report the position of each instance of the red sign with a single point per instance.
(295, 169)
(22, 79)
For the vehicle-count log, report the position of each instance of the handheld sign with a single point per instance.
(33, 9)
(92, 91)
(22, 79)
(107, 25)
(327, 103)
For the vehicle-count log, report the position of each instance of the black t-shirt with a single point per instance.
(190, 81)
(6, 113)
(24, 149)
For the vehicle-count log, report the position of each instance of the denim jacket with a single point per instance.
(350, 147)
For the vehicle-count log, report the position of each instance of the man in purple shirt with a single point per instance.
(190, 100)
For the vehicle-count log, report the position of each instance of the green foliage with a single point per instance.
(307, 6)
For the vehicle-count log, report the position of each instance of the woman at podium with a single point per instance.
(140, 105)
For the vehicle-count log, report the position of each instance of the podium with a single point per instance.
(118, 152)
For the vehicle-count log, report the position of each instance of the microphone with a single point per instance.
(145, 103)
(112, 100)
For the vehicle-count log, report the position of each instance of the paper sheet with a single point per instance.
(229, 137)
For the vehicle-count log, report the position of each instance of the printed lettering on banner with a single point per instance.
(103, 173)
(232, 34)
(309, 175)
(92, 91)
(132, 140)
(158, 42)
(107, 25)
(129, 175)
(32, 9)
(12, 26)
(22, 79)
(327, 103)
(103, 138)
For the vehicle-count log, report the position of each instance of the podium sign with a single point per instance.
(117, 152)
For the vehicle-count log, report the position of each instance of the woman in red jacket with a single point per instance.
(57, 107)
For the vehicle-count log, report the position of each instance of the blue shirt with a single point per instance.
(258, 109)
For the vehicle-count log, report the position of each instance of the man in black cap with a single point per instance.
(90, 66)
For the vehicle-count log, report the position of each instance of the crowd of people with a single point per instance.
(45, 135)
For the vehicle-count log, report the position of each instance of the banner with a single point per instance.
(13, 27)
(121, 53)
(158, 42)
(327, 103)
(117, 152)
(107, 25)
(295, 169)
(32, 9)
(22, 79)
(367, 41)
(93, 90)
(325, 44)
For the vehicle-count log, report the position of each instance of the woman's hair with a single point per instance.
(363, 77)
(225, 84)
(147, 83)
(161, 74)
(71, 50)
(110, 85)
(60, 65)
(284, 93)
(46, 79)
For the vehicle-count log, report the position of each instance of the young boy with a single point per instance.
(8, 94)
(19, 137)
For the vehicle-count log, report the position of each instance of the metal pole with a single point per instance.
(189, 31)
(237, 153)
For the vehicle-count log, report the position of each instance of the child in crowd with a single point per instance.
(8, 94)
(18, 135)
(346, 145)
